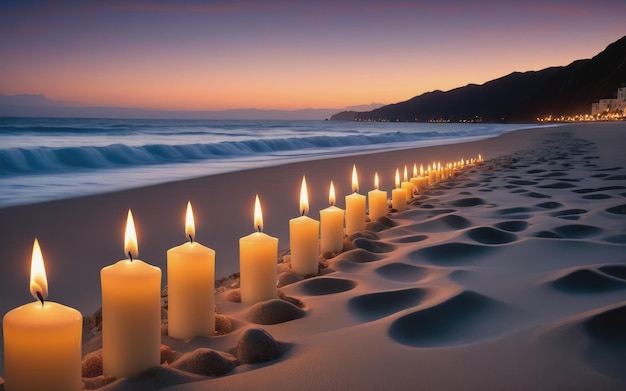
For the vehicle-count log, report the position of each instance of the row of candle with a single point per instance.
(47, 335)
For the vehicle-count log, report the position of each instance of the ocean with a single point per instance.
(44, 159)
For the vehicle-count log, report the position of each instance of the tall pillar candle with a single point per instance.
(131, 312)
(377, 201)
(258, 255)
(398, 195)
(190, 286)
(355, 207)
(42, 340)
(331, 225)
(304, 233)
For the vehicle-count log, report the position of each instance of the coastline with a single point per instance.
(80, 236)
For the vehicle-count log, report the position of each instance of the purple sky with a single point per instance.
(286, 54)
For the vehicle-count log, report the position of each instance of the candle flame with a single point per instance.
(355, 180)
(190, 225)
(38, 280)
(304, 198)
(421, 170)
(376, 181)
(258, 215)
(480, 158)
(331, 194)
(130, 238)
(406, 174)
(414, 170)
(397, 178)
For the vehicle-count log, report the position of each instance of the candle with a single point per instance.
(355, 207)
(190, 286)
(398, 195)
(331, 225)
(377, 200)
(131, 312)
(304, 235)
(415, 180)
(42, 340)
(407, 185)
(258, 253)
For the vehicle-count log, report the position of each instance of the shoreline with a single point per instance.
(80, 236)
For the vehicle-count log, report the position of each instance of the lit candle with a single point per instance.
(42, 340)
(331, 225)
(355, 207)
(190, 286)
(415, 180)
(398, 195)
(423, 183)
(258, 255)
(304, 233)
(131, 312)
(407, 185)
(377, 200)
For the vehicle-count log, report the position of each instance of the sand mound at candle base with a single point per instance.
(273, 312)
(206, 362)
(258, 346)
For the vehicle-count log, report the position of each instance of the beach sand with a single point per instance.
(511, 275)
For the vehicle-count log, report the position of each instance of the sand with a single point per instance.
(511, 275)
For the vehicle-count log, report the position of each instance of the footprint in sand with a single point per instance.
(381, 304)
(512, 225)
(465, 318)
(489, 235)
(557, 185)
(351, 260)
(449, 254)
(537, 195)
(373, 246)
(606, 349)
(451, 222)
(569, 214)
(549, 205)
(577, 231)
(586, 281)
(403, 272)
(618, 210)
(320, 286)
(468, 202)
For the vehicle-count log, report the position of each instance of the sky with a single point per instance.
(285, 54)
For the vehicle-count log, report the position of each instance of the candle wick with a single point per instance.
(303, 211)
(258, 227)
(40, 296)
(130, 255)
(191, 238)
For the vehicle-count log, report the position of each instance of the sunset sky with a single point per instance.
(286, 54)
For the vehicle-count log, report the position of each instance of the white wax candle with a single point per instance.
(190, 287)
(304, 233)
(258, 254)
(398, 195)
(377, 201)
(355, 207)
(331, 225)
(42, 340)
(407, 186)
(131, 312)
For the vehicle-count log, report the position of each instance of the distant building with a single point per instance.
(610, 105)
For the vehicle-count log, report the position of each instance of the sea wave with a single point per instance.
(41, 160)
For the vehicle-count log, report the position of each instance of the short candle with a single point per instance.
(258, 255)
(42, 340)
(355, 207)
(377, 200)
(398, 195)
(331, 225)
(304, 238)
(407, 186)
